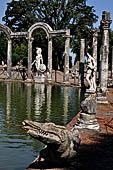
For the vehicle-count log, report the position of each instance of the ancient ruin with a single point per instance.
(28, 35)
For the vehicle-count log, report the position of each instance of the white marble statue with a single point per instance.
(40, 67)
(90, 76)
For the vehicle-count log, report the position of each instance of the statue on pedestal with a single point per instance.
(90, 76)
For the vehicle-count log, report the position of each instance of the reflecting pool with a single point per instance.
(37, 102)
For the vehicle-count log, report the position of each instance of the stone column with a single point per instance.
(105, 25)
(112, 65)
(66, 62)
(81, 64)
(49, 59)
(95, 36)
(9, 58)
(30, 40)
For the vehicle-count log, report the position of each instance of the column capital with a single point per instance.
(106, 20)
(95, 32)
(30, 39)
(10, 41)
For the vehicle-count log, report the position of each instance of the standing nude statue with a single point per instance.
(90, 76)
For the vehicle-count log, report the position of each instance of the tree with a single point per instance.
(3, 47)
(64, 14)
(20, 53)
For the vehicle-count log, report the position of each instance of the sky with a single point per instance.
(99, 6)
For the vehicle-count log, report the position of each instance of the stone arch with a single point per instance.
(9, 48)
(6, 30)
(42, 25)
(48, 31)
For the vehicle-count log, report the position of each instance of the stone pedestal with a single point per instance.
(101, 97)
(90, 91)
(39, 79)
(87, 118)
(87, 121)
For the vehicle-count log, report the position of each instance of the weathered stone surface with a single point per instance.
(90, 75)
(87, 119)
(88, 105)
(62, 144)
(105, 25)
(81, 64)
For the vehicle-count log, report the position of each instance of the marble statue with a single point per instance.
(90, 76)
(40, 67)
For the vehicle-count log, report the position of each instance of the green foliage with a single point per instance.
(20, 53)
(3, 47)
(64, 14)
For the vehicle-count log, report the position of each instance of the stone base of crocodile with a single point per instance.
(87, 121)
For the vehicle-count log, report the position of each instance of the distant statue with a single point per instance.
(40, 67)
(90, 76)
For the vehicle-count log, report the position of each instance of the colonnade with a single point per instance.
(28, 35)
(103, 60)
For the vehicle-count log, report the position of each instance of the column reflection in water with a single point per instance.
(65, 105)
(79, 95)
(8, 100)
(48, 102)
(39, 99)
(29, 86)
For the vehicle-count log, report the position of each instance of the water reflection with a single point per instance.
(49, 87)
(39, 99)
(8, 101)
(29, 85)
(36, 102)
(65, 104)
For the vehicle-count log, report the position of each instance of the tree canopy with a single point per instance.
(64, 14)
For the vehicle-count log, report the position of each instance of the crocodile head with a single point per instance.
(48, 133)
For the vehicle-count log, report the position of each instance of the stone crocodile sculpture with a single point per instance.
(62, 144)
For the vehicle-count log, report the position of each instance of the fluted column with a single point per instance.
(66, 62)
(9, 57)
(105, 25)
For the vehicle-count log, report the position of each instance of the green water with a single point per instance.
(19, 101)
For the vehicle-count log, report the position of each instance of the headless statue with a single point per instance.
(90, 77)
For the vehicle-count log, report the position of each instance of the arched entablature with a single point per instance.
(42, 25)
(6, 30)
